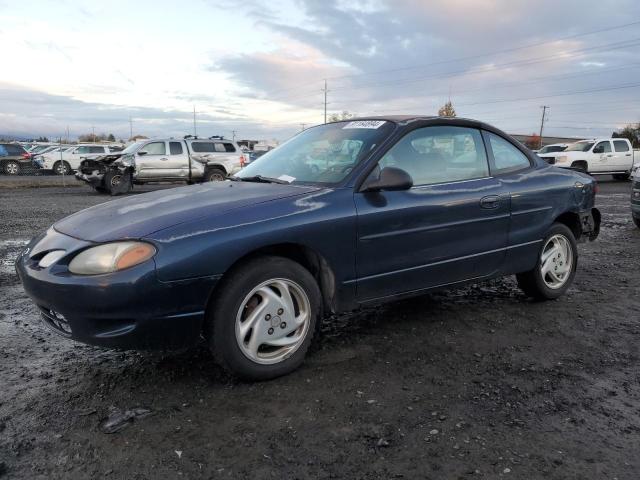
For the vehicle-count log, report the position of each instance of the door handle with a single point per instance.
(627, 154)
(164, 159)
(491, 201)
(610, 155)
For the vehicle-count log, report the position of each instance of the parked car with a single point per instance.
(13, 158)
(254, 263)
(549, 152)
(600, 156)
(191, 159)
(67, 161)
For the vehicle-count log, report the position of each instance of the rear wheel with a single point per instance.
(556, 266)
(61, 168)
(12, 167)
(215, 175)
(263, 319)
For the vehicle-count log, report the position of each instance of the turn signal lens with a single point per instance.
(111, 257)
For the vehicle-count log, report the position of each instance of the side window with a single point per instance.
(155, 148)
(229, 147)
(81, 150)
(13, 150)
(507, 158)
(96, 149)
(602, 147)
(439, 155)
(175, 148)
(3, 151)
(203, 147)
(620, 146)
(220, 147)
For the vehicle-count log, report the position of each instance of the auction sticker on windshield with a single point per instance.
(365, 124)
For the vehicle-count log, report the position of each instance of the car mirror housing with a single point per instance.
(142, 152)
(391, 178)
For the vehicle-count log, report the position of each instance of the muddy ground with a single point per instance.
(475, 382)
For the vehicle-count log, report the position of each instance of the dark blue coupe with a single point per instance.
(342, 215)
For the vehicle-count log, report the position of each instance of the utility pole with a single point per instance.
(67, 134)
(130, 127)
(195, 132)
(233, 133)
(544, 114)
(93, 133)
(325, 100)
(302, 126)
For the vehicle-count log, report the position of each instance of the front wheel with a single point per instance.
(61, 168)
(556, 266)
(636, 220)
(262, 321)
(12, 168)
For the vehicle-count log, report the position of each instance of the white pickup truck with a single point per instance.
(66, 159)
(160, 160)
(600, 156)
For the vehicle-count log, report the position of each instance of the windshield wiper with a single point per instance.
(259, 179)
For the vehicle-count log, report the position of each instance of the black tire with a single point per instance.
(12, 167)
(61, 168)
(532, 282)
(215, 175)
(117, 183)
(220, 324)
(621, 177)
(636, 220)
(100, 189)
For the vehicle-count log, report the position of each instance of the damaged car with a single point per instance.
(343, 215)
(160, 160)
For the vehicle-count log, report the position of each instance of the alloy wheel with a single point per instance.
(556, 261)
(273, 321)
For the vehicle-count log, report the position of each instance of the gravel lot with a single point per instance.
(475, 382)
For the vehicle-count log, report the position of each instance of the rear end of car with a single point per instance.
(635, 200)
(14, 159)
(218, 154)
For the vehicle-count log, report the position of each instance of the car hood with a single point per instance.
(137, 216)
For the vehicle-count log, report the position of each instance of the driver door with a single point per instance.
(603, 160)
(156, 163)
(452, 225)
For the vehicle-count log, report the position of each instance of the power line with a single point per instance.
(469, 57)
(544, 113)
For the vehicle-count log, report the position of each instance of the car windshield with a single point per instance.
(580, 147)
(551, 149)
(131, 148)
(325, 154)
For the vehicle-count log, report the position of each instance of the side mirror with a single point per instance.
(142, 152)
(391, 178)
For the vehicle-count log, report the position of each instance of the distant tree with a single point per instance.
(534, 142)
(447, 110)
(111, 137)
(336, 117)
(135, 138)
(630, 132)
(90, 137)
(42, 139)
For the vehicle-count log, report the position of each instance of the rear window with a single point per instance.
(225, 147)
(14, 149)
(621, 146)
(96, 149)
(3, 151)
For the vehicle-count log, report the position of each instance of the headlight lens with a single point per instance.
(111, 257)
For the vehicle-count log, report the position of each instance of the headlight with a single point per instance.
(561, 159)
(111, 257)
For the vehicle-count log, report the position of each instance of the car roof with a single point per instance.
(406, 119)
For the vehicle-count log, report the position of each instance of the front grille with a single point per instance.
(89, 166)
(55, 321)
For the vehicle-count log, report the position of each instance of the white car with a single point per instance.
(599, 156)
(550, 152)
(68, 160)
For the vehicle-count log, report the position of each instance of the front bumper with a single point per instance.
(130, 309)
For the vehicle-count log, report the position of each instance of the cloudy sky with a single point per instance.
(258, 67)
